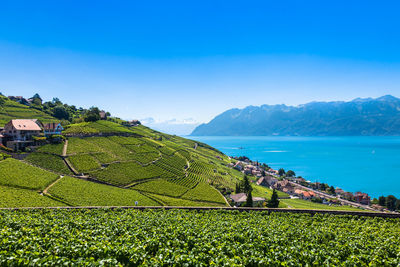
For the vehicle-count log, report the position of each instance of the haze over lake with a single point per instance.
(368, 164)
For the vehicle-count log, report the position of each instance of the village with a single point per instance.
(297, 187)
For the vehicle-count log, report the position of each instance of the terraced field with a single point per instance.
(13, 110)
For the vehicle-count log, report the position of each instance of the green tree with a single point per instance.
(237, 188)
(382, 201)
(398, 204)
(290, 173)
(281, 172)
(92, 114)
(274, 201)
(331, 190)
(249, 200)
(391, 202)
(323, 187)
(61, 113)
(37, 100)
(246, 185)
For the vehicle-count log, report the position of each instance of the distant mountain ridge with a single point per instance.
(361, 116)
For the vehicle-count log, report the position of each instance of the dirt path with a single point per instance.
(47, 188)
(64, 152)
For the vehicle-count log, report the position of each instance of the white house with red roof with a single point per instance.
(19, 133)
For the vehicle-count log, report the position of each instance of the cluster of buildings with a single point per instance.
(19, 133)
(296, 187)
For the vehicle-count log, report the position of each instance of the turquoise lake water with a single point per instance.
(367, 164)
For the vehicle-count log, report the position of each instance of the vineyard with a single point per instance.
(176, 237)
(12, 110)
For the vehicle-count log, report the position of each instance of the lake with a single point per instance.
(362, 163)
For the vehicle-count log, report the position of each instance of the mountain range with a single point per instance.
(361, 116)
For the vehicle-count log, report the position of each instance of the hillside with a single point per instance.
(380, 116)
(117, 165)
(12, 110)
(104, 163)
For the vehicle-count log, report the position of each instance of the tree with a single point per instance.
(237, 188)
(331, 190)
(290, 173)
(382, 201)
(398, 204)
(246, 185)
(274, 201)
(263, 173)
(323, 187)
(56, 101)
(391, 202)
(92, 114)
(281, 172)
(36, 99)
(249, 200)
(61, 113)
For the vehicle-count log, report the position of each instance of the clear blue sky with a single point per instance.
(195, 59)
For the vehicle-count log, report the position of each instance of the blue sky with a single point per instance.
(195, 59)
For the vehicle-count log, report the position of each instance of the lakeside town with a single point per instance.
(296, 187)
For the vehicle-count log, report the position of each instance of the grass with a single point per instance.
(19, 174)
(16, 197)
(262, 191)
(49, 162)
(161, 187)
(304, 204)
(78, 192)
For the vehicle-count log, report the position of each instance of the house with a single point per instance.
(348, 196)
(18, 134)
(284, 186)
(362, 198)
(19, 99)
(240, 199)
(267, 181)
(263, 182)
(53, 128)
(339, 191)
(103, 115)
(132, 123)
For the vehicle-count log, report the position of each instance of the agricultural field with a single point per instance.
(204, 192)
(18, 174)
(161, 187)
(304, 204)
(84, 162)
(126, 173)
(12, 110)
(52, 149)
(17, 197)
(176, 237)
(49, 162)
(95, 128)
(78, 192)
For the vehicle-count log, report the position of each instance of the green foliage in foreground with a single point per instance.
(18, 174)
(83, 193)
(155, 238)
